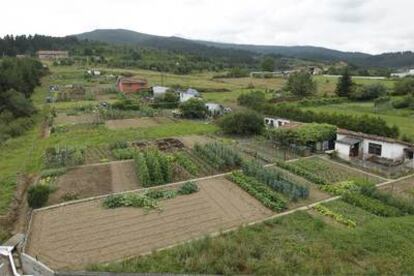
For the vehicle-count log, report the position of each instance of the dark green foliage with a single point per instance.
(301, 172)
(253, 99)
(321, 101)
(188, 188)
(370, 204)
(359, 123)
(194, 109)
(118, 145)
(404, 102)
(124, 153)
(141, 169)
(268, 64)
(153, 168)
(62, 156)
(344, 85)
(304, 135)
(127, 104)
(301, 84)
(404, 86)
(260, 191)
(274, 180)
(368, 92)
(242, 123)
(219, 156)
(185, 162)
(168, 100)
(38, 195)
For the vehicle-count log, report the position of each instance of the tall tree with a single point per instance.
(344, 85)
(268, 64)
(301, 84)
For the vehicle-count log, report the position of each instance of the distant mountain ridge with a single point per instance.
(122, 36)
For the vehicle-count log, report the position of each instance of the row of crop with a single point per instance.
(148, 199)
(371, 205)
(275, 180)
(301, 172)
(184, 161)
(323, 210)
(62, 156)
(260, 191)
(406, 206)
(220, 156)
(153, 168)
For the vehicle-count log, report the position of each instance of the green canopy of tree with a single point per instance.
(301, 84)
(194, 109)
(242, 123)
(344, 85)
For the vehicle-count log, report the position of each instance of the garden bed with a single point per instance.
(76, 235)
(137, 122)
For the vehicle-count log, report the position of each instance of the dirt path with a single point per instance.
(75, 235)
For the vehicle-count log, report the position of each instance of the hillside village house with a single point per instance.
(386, 151)
(159, 91)
(189, 94)
(130, 85)
(273, 122)
(52, 55)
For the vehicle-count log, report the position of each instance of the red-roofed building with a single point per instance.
(130, 85)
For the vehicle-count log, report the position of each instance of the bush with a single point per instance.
(38, 195)
(253, 99)
(368, 92)
(124, 153)
(404, 86)
(242, 123)
(404, 102)
(194, 109)
(188, 188)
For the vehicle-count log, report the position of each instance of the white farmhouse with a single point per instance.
(403, 74)
(356, 145)
(189, 94)
(273, 122)
(159, 91)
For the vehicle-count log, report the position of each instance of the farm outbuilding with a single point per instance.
(273, 122)
(52, 55)
(130, 85)
(159, 91)
(355, 145)
(189, 94)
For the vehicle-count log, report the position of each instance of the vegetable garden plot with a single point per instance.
(76, 235)
(98, 154)
(330, 171)
(136, 123)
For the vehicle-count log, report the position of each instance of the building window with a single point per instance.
(375, 149)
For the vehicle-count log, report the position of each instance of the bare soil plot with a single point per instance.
(63, 119)
(94, 180)
(73, 236)
(136, 122)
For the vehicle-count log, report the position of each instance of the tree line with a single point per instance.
(18, 80)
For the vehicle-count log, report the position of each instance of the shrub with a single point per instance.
(404, 102)
(188, 188)
(253, 99)
(38, 195)
(194, 109)
(260, 191)
(368, 92)
(242, 123)
(404, 86)
(301, 84)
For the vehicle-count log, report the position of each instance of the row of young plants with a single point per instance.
(148, 199)
(263, 193)
(153, 168)
(275, 180)
(184, 161)
(302, 172)
(218, 155)
(364, 194)
(323, 210)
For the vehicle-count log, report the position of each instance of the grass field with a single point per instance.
(298, 244)
(404, 119)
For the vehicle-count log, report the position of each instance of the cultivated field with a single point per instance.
(136, 122)
(94, 180)
(76, 235)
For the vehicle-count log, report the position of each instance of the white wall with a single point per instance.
(342, 150)
(276, 122)
(389, 150)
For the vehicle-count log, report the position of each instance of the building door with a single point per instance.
(354, 150)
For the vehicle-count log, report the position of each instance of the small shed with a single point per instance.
(130, 85)
(159, 91)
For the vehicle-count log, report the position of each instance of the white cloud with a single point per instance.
(354, 25)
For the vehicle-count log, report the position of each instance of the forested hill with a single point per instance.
(206, 48)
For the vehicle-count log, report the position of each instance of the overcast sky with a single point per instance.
(372, 26)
